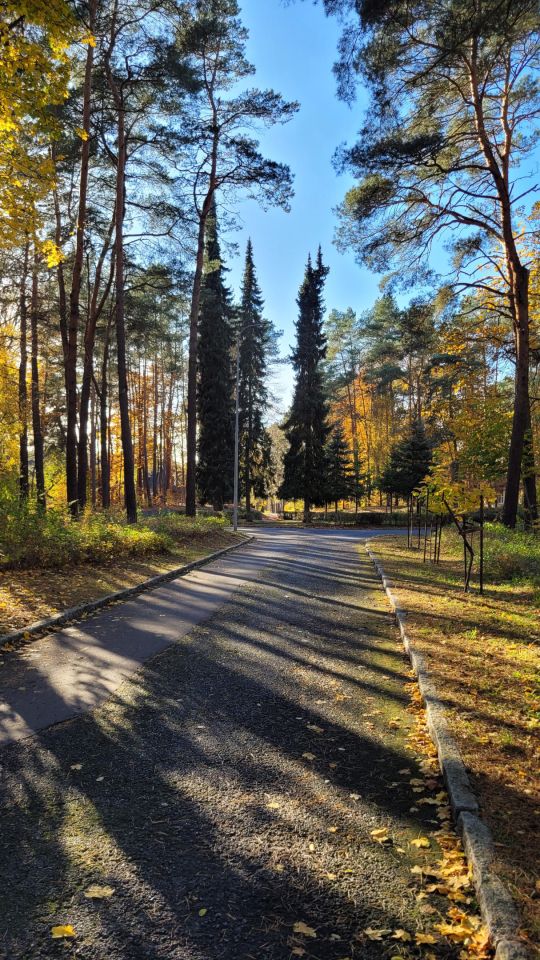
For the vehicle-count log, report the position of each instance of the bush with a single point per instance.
(179, 527)
(511, 554)
(52, 539)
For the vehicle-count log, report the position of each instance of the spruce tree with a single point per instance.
(215, 390)
(340, 477)
(257, 346)
(410, 460)
(307, 426)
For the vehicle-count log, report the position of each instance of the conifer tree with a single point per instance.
(307, 428)
(257, 346)
(215, 379)
(410, 460)
(340, 477)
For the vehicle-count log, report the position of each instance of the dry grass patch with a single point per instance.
(484, 654)
(33, 594)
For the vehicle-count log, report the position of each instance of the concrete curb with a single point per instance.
(496, 904)
(75, 613)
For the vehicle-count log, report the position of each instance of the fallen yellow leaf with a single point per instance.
(63, 931)
(401, 935)
(421, 842)
(381, 835)
(203, 911)
(372, 934)
(425, 938)
(454, 931)
(303, 929)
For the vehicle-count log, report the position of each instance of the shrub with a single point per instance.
(29, 538)
(511, 554)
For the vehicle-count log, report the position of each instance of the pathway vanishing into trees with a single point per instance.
(227, 791)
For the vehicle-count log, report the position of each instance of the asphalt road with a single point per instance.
(225, 794)
(71, 671)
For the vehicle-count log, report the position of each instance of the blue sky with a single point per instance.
(293, 47)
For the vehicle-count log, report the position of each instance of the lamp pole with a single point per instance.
(236, 434)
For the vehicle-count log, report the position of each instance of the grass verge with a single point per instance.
(483, 653)
(105, 556)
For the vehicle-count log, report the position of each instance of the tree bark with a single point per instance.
(24, 484)
(76, 280)
(191, 437)
(191, 429)
(105, 482)
(521, 415)
(39, 464)
(130, 496)
(529, 475)
(93, 448)
(94, 312)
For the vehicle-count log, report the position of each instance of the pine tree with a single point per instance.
(215, 399)
(257, 346)
(410, 460)
(340, 477)
(307, 428)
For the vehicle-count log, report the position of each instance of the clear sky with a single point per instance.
(293, 47)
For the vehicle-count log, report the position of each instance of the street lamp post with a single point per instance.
(236, 434)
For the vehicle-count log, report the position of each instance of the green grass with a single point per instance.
(511, 555)
(54, 540)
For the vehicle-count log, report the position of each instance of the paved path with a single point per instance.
(226, 792)
(72, 671)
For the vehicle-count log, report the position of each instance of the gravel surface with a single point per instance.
(228, 790)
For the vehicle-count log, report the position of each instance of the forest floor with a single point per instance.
(484, 654)
(263, 789)
(34, 594)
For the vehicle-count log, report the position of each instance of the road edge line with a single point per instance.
(91, 606)
(497, 906)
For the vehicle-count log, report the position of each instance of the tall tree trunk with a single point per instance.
(155, 430)
(76, 280)
(146, 478)
(529, 475)
(95, 310)
(24, 484)
(168, 438)
(191, 429)
(39, 463)
(249, 452)
(520, 278)
(191, 439)
(103, 423)
(130, 496)
(93, 447)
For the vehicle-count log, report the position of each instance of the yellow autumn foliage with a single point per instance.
(34, 71)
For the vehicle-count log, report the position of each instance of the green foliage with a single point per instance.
(410, 460)
(257, 339)
(340, 479)
(29, 538)
(215, 392)
(307, 428)
(511, 554)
